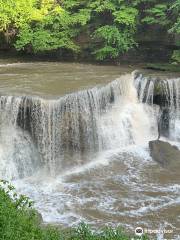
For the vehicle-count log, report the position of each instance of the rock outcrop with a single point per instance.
(165, 154)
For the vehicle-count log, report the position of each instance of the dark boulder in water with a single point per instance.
(165, 154)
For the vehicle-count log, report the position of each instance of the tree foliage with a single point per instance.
(116, 27)
(40, 25)
(166, 14)
(111, 26)
(158, 15)
(176, 29)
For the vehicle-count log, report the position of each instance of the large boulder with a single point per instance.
(165, 154)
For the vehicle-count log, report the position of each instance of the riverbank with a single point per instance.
(15, 57)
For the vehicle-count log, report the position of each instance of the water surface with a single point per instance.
(107, 179)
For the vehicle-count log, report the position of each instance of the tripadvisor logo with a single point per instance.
(139, 231)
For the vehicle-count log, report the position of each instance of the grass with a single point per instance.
(19, 221)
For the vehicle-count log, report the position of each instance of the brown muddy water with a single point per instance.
(87, 157)
(54, 79)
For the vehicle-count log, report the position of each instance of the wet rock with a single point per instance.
(136, 74)
(164, 122)
(38, 217)
(165, 154)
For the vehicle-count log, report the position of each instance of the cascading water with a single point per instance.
(166, 94)
(107, 126)
(79, 124)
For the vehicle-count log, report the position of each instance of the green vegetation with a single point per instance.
(19, 221)
(167, 15)
(163, 67)
(109, 27)
(117, 23)
(34, 26)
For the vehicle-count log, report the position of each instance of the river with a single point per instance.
(74, 138)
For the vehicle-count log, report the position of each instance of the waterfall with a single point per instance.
(61, 133)
(166, 94)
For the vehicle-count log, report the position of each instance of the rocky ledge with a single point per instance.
(165, 154)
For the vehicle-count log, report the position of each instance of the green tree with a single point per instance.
(158, 14)
(176, 29)
(115, 27)
(166, 14)
(40, 25)
(14, 15)
(109, 26)
(56, 29)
